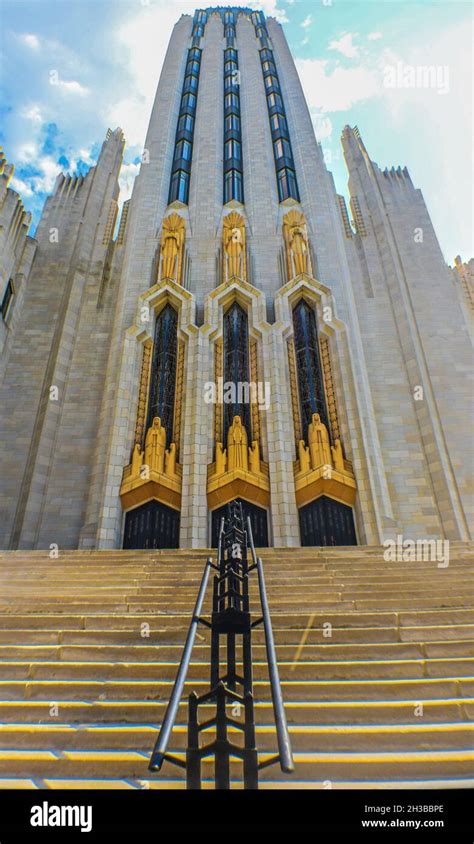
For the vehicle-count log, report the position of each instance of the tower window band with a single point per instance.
(233, 187)
(180, 179)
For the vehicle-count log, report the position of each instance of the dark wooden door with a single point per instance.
(153, 525)
(327, 522)
(258, 519)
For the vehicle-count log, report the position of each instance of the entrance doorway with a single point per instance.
(258, 520)
(327, 522)
(153, 525)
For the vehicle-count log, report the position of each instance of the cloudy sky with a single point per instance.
(72, 68)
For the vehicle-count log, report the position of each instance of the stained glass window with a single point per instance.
(163, 370)
(236, 367)
(308, 364)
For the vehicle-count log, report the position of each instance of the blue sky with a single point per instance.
(105, 57)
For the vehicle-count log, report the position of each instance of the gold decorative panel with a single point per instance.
(178, 400)
(329, 386)
(295, 405)
(218, 373)
(254, 378)
(143, 393)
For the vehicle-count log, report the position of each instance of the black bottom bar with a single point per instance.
(364, 815)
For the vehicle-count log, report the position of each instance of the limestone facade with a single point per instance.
(86, 301)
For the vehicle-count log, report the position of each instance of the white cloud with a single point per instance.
(85, 156)
(270, 8)
(21, 187)
(339, 89)
(132, 115)
(307, 22)
(27, 153)
(322, 127)
(374, 36)
(126, 180)
(33, 113)
(72, 87)
(30, 40)
(345, 45)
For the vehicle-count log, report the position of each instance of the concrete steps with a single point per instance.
(376, 661)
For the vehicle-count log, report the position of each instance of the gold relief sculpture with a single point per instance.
(143, 393)
(136, 463)
(178, 399)
(295, 405)
(155, 444)
(170, 460)
(237, 446)
(254, 457)
(318, 439)
(321, 468)
(153, 471)
(329, 387)
(218, 364)
(234, 243)
(221, 459)
(296, 243)
(238, 470)
(304, 457)
(337, 456)
(171, 250)
(255, 410)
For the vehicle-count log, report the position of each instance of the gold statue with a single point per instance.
(237, 446)
(172, 241)
(221, 459)
(170, 460)
(254, 458)
(233, 238)
(155, 443)
(304, 456)
(136, 461)
(319, 446)
(296, 239)
(337, 456)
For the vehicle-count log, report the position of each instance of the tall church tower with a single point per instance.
(241, 338)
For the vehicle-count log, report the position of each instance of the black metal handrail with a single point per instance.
(159, 751)
(231, 619)
(285, 756)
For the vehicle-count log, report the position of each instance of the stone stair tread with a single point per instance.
(71, 633)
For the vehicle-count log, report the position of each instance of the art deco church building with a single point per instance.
(236, 335)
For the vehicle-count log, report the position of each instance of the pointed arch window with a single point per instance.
(308, 366)
(163, 370)
(236, 367)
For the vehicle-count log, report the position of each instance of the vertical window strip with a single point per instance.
(183, 148)
(282, 152)
(233, 188)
